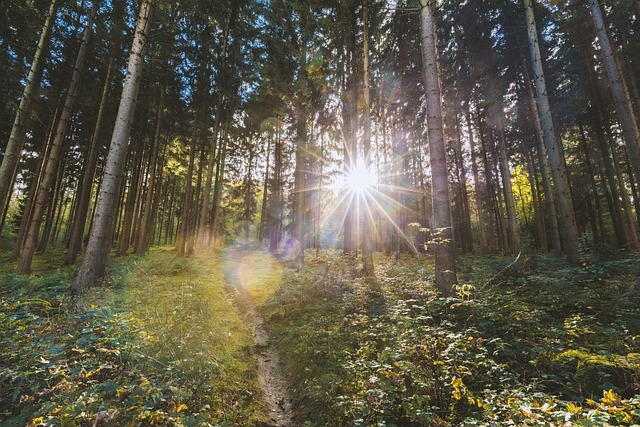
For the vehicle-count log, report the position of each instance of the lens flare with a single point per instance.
(360, 179)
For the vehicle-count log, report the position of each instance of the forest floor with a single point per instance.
(238, 339)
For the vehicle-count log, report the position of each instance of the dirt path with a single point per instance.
(270, 374)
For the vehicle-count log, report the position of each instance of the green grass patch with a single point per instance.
(534, 343)
(163, 344)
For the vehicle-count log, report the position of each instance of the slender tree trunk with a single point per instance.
(482, 232)
(18, 131)
(276, 226)
(445, 249)
(367, 226)
(94, 265)
(265, 189)
(144, 239)
(512, 220)
(219, 183)
(621, 98)
(33, 190)
(53, 204)
(554, 150)
(489, 187)
(632, 233)
(591, 178)
(51, 163)
(541, 231)
(89, 171)
(466, 235)
(187, 205)
(550, 202)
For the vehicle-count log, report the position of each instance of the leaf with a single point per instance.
(610, 398)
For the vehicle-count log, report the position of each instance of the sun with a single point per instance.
(360, 178)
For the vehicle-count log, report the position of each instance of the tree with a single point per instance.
(19, 129)
(94, 264)
(446, 276)
(554, 150)
(619, 89)
(51, 163)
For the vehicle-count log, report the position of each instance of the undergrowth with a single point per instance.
(162, 344)
(533, 343)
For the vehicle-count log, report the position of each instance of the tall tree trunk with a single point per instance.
(554, 149)
(265, 189)
(219, 183)
(89, 171)
(482, 232)
(276, 226)
(367, 226)
(541, 230)
(550, 202)
(489, 187)
(94, 264)
(591, 177)
(446, 276)
(187, 205)
(33, 190)
(31, 239)
(18, 131)
(512, 220)
(144, 239)
(621, 98)
(55, 201)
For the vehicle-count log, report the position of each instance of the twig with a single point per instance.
(499, 273)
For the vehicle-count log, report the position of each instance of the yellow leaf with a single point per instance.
(610, 398)
(574, 409)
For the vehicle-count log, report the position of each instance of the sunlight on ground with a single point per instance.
(258, 272)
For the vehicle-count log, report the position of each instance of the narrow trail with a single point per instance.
(270, 374)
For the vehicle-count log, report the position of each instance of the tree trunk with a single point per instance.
(53, 204)
(144, 238)
(219, 183)
(18, 131)
(187, 205)
(89, 171)
(51, 163)
(621, 99)
(265, 189)
(554, 149)
(550, 202)
(94, 264)
(445, 249)
(482, 232)
(367, 225)
(513, 232)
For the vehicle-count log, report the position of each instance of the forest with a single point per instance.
(281, 213)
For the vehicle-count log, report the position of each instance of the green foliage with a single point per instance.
(531, 343)
(163, 345)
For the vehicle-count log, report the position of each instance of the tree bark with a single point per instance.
(367, 226)
(89, 172)
(554, 150)
(482, 232)
(144, 239)
(550, 202)
(445, 276)
(265, 189)
(31, 239)
(18, 131)
(94, 265)
(622, 101)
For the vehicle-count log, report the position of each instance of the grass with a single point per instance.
(537, 343)
(162, 345)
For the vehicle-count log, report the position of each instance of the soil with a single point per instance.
(270, 373)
